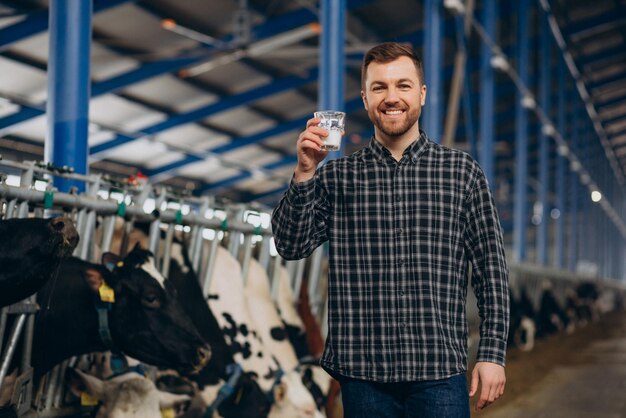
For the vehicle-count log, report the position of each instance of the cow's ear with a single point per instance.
(110, 260)
(170, 400)
(81, 382)
(280, 392)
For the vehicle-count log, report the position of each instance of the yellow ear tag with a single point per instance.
(107, 294)
(120, 264)
(168, 413)
(87, 400)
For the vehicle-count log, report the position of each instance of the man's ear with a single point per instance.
(423, 94)
(364, 99)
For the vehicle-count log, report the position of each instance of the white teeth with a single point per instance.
(393, 112)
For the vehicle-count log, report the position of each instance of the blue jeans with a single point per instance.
(446, 398)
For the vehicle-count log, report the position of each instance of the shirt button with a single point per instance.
(398, 198)
(399, 230)
(403, 325)
(401, 293)
(401, 261)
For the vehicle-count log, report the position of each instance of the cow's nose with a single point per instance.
(65, 227)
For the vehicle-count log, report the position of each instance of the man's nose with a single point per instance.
(392, 96)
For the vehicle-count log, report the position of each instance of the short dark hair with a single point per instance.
(388, 52)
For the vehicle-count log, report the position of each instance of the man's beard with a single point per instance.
(398, 128)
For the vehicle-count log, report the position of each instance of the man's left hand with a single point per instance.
(492, 380)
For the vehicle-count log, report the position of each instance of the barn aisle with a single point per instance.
(568, 376)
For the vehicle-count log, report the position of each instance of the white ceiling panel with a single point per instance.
(118, 113)
(143, 152)
(169, 91)
(252, 156)
(22, 81)
(193, 136)
(234, 77)
(241, 120)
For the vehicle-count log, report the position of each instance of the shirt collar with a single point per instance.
(381, 154)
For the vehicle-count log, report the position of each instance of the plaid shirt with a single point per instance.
(401, 234)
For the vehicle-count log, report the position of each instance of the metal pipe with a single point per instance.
(247, 255)
(210, 265)
(108, 228)
(85, 238)
(167, 252)
(109, 207)
(315, 276)
(11, 346)
(3, 325)
(275, 282)
(299, 273)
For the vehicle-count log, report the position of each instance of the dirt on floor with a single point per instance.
(526, 369)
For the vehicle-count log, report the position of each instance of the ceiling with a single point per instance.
(210, 96)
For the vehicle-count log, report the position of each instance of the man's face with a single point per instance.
(394, 96)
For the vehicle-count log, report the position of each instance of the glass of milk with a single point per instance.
(334, 123)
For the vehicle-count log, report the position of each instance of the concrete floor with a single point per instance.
(579, 375)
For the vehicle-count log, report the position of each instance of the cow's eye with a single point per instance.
(151, 301)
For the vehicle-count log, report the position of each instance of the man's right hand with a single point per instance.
(309, 150)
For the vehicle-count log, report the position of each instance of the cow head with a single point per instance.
(30, 253)
(147, 320)
(126, 396)
(292, 399)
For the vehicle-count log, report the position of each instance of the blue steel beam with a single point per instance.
(604, 82)
(68, 88)
(604, 19)
(283, 84)
(487, 102)
(606, 105)
(602, 56)
(332, 60)
(544, 142)
(433, 65)
(620, 119)
(559, 256)
(520, 210)
(37, 22)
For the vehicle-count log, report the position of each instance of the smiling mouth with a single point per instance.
(394, 112)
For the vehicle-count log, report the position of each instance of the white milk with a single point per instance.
(332, 141)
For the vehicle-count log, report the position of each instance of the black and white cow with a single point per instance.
(275, 334)
(551, 317)
(145, 320)
(247, 399)
(31, 251)
(228, 302)
(522, 326)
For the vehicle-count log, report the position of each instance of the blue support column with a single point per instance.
(332, 67)
(544, 177)
(433, 68)
(487, 102)
(520, 214)
(68, 86)
(574, 185)
(559, 256)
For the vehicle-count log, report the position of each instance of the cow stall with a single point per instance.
(98, 213)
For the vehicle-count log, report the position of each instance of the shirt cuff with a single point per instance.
(300, 194)
(492, 350)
